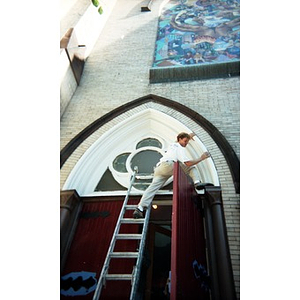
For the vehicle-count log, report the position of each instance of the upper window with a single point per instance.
(198, 32)
(197, 40)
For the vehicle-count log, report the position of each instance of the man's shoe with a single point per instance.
(137, 214)
(200, 186)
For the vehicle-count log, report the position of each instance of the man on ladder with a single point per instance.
(164, 170)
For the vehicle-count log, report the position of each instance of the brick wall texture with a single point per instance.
(117, 71)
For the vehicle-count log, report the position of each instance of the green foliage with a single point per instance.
(100, 10)
(95, 3)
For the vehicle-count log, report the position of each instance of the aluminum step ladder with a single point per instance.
(134, 276)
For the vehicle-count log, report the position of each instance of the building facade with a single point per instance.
(144, 70)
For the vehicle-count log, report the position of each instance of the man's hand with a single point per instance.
(192, 134)
(205, 155)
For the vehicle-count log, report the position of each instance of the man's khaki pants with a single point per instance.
(161, 174)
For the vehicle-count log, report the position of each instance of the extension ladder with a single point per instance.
(134, 277)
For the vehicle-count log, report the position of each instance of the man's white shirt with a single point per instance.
(175, 152)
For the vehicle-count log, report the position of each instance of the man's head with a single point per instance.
(183, 138)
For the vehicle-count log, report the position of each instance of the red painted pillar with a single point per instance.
(188, 253)
(174, 239)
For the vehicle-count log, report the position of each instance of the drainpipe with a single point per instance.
(221, 274)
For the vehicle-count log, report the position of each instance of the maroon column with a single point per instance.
(188, 252)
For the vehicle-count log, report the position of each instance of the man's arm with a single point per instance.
(204, 156)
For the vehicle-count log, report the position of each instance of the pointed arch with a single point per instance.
(179, 112)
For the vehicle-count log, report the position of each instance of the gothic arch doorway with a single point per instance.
(133, 133)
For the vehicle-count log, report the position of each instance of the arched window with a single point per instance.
(102, 163)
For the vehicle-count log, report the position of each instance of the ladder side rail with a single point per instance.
(137, 271)
(113, 241)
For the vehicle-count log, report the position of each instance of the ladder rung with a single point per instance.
(132, 221)
(128, 206)
(124, 254)
(144, 177)
(129, 236)
(118, 276)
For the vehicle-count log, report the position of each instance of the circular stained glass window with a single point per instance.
(145, 161)
(149, 143)
(119, 162)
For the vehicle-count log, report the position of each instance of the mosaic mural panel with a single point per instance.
(198, 32)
